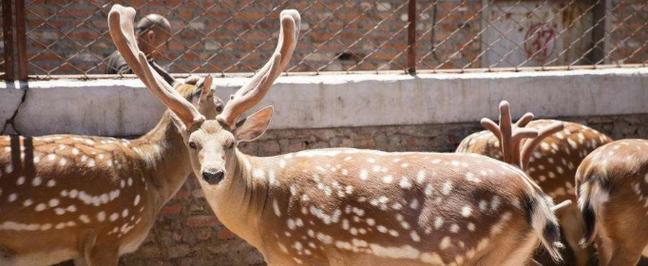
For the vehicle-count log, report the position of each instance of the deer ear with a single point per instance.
(254, 125)
(206, 88)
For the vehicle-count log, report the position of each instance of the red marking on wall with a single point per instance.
(540, 41)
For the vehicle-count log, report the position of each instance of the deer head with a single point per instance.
(211, 138)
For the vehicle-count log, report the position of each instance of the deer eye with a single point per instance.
(193, 145)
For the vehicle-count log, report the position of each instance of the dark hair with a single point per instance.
(151, 21)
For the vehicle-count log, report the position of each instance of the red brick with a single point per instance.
(202, 221)
(171, 209)
(225, 234)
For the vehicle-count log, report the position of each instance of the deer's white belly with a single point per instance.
(40, 258)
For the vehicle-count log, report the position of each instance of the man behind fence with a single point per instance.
(153, 33)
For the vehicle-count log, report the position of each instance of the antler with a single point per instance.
(508, 135)
(120, 23)
(530, 145)
(524, 120)
(250, 94)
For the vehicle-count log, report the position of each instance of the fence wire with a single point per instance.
(490, 34)
(71, 37)
(2, 45)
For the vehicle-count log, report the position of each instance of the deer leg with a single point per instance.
(7, 256)
(106, 255)
(572, 226)
(87, 241)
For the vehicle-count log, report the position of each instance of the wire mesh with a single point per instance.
(71, 37)
(498, 33)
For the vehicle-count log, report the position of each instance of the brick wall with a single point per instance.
(628, 30)
(187, 233)
(70, 37)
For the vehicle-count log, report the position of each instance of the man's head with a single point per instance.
(153, 33)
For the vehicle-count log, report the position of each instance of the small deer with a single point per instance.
(346, 206)
(89, 198)
(612, 188)
(550, 158)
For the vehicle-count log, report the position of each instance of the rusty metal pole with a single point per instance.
(21, 40)
(7, 26)
(597, 55)
(411, 37)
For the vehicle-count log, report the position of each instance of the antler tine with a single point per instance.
(120, 23)
(505, 126)
(250, 94)
(122, 32)
(169, 96)
(529, 146)
(492, 127)
(518, 135)
(524, 120)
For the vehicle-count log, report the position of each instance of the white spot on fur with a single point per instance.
(466, 211)
(364, 174)
(447, 188)
(37, 181)
(275, 207)
(445, 243)
(20, 180)
(136, 200)
(415, 237)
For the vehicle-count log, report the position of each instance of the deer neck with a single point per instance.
(240, 200)
(163, 158)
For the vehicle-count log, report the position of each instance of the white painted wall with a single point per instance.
(124, 107)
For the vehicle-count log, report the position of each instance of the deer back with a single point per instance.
(553, 162)
(415, 207)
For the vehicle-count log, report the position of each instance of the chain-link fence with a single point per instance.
(71, 37)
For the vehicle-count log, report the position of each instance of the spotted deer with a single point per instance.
(349, 206)
(89, 198)
(612, 187)
(550, 159)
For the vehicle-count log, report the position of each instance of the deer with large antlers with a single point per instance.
(89, 198)
(349, 206)
(612, 187)
(549, 152)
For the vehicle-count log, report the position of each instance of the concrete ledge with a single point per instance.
(124, 107)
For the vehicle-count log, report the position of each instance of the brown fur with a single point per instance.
(310, 210)
(564, 150)
(54, 179)
(612, 183)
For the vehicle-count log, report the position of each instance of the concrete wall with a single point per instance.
(387, 112)
(124, 108)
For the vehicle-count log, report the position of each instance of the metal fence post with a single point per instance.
(21, 40)
(7, 27)
(598, 32)
(411, 37)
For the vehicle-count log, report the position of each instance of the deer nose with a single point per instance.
(213, 177)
